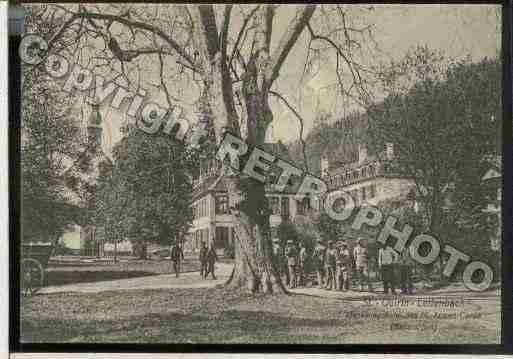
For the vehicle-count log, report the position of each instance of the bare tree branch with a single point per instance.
(241, 32)
(288, 40)
(127, 22)
(301, 125)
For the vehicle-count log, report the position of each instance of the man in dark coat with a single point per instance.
(291, 253)
(211, 261)
(177, 257)
(203, 259)
(318, 259)
(330, 265)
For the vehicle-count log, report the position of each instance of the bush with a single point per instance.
(229, 250)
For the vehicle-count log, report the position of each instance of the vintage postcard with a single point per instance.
(259, 173)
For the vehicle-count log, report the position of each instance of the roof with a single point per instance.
(277, 149)
(495, 168)
(491, 174)
(205, 186)
(353, 166)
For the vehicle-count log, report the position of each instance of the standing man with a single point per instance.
(405, 269)
(280, 261)
(343, 267)
(319, 258)
(177, 257)
(303, 257)
(203, 259)
(360, 255)
(277, 257)
(211, 261)
(387, 258)
(331, 265)
(291, 254)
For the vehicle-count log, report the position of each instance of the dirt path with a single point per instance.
(223, 271)
(163, 281)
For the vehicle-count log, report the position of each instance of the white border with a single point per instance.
(239, 356)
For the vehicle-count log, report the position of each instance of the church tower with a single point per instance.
(94, 128)
(92, 236)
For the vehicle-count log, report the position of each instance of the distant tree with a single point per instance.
(50, 139)
(147, 197)
(444, 120)
(336, 138)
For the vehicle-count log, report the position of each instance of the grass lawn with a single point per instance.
(214, 315)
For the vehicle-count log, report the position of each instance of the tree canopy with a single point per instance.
(147, 196)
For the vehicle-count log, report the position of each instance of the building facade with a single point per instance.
(370, 179)
(213, 222)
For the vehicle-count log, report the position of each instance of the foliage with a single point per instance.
(147, 197)
(50, 140)
(445, 121)
(287, 231)
(229, 250)
(336, 139)
(451, 109)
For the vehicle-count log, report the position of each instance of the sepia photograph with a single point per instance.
(295, 174)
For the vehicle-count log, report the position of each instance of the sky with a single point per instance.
(456, 30)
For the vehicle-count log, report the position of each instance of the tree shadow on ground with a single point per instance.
(230, 326)
(68, 277)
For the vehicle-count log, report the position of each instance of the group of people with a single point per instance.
(207, 258)
(392, 264)
(335, 264)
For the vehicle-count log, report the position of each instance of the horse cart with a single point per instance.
(34, 260)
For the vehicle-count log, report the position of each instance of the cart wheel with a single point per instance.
(32, 276)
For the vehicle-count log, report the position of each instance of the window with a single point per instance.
(221, 204)
(221, 240)
(303, 205)
(274, 203)
(285, 207)
(197, 239)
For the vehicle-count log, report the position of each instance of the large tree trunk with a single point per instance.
(254, 269)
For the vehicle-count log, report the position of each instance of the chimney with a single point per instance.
(389, 151)
(362, 153)
(325, 166)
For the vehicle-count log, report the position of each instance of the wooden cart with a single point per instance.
(34, 260)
